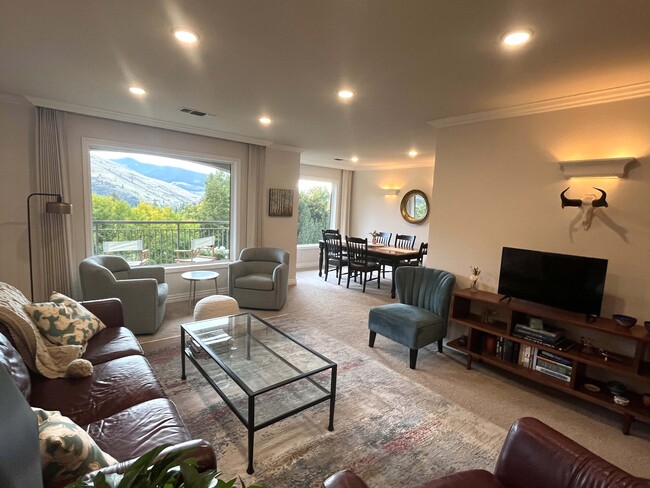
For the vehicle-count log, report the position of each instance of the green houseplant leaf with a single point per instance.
(171, 470)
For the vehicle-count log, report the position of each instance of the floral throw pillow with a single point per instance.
(67, 451)
(64, 321)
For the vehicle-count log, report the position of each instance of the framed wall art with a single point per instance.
(280, 202)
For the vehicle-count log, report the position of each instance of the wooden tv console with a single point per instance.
(472, 309)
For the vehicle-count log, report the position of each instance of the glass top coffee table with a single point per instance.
(263, 374)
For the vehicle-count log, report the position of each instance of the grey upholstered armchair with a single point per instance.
(142, 290)
(422, 315)
(260, 278)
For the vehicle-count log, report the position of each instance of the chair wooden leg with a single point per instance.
(371, 339)
(413, 357)
(440, 345)
(365, 280)
(341, 274)
(348, 285)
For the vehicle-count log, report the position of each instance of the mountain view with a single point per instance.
(133, 182)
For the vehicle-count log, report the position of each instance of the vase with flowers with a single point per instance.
(473, 278)
(374, 235)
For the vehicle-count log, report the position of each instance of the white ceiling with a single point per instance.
(409, 61)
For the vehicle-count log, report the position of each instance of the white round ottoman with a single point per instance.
(215, 306)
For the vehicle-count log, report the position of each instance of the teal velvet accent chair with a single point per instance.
(422, 314)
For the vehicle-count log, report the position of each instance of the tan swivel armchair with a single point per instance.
(260, 278)
(142, 290)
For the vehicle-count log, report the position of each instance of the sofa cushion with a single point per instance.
(257, 281)
(112, 343)
(14, 364)
(66, 450)
(64, 321)
(139, 428)
(114, 386)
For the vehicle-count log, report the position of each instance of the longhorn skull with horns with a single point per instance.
(587, 204)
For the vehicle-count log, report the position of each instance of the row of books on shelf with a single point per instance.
(534, 358)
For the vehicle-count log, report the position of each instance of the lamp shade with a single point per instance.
(58, 208)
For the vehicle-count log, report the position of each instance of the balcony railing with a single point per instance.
(161, 237)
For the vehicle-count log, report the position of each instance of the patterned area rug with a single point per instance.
(390, 431)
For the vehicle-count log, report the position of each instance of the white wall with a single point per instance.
(283, 172)
(371, 210)
(498, 184)
(17, 159)
(16, 154)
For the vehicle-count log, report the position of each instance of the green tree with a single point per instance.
(313, 214)
(216, 201)
(110, 208)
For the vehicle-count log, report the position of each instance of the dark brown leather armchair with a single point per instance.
(533, 456)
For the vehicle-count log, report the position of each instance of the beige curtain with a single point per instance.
(52, 255)
(346, 202)
(255, 198)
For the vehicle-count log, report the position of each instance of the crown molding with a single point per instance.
(15, 99)
(137, 119)
(561, 103)
(369, 166)
(282, 147)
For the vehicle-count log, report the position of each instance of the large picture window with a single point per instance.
(152, 209)
(315, 209)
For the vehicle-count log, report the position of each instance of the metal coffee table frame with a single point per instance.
(249, 422)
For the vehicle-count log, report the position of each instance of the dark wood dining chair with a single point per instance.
(404, 241)
(384, 238)
(334, 256)
(358, 261)
(424, 248)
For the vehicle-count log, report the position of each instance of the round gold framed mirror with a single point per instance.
(415, 207)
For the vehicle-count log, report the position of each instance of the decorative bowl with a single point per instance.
(616, 387)
(646, 399)
(646, 324)
(624, 320)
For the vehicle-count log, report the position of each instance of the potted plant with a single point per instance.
(171, 470)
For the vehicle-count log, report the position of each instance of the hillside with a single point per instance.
(108, 178)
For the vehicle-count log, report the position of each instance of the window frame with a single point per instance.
(92, 144)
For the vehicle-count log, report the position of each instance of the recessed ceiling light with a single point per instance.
(265, 120)
(136, 90)
(354, 159)
(346, 94)
(186, 36)
(517, 38)
(413, 153)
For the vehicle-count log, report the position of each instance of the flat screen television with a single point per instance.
(573, 283)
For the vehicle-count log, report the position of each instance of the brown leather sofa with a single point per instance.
(533, 456)
(122, 405)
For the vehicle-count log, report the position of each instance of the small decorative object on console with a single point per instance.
(616, 387)
(473, 278)
(488, 316)
(624, 320)
(621, 400)
(646, 324)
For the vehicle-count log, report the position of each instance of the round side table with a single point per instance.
(193, 277)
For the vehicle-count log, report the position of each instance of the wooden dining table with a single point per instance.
(387, 254)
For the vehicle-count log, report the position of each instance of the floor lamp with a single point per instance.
(58, 207)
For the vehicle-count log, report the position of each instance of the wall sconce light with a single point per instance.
(390, 191)
(596, 168)
(58, 207)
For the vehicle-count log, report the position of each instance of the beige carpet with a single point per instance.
(491, 394)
